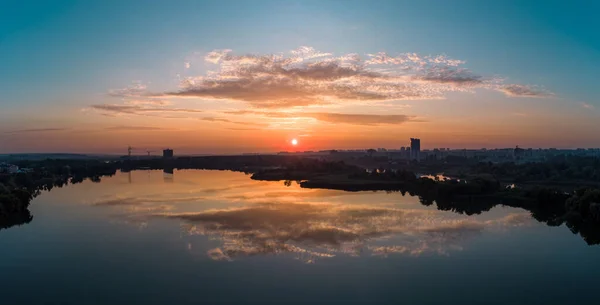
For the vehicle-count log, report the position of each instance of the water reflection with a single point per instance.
(168, 175)
(153, 242)
(440, 177)
(15, 219)
(325, 229)
(250, 218)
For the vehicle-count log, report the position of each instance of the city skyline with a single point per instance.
(202, 78)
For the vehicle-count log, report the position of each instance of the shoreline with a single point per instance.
(579, 209)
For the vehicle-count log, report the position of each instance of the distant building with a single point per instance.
(437, 154)
(518, 153)
(168, 153)
(415, 149)
(8, 168)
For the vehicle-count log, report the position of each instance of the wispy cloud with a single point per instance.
(136, 89)
(521, 114)
(523, 91)
(241, 128)
(307, 77)
(135, 128)
(213, 119)
(587, 106)
(344, 118)
(37, 130)
(151, 102)
(360, 119)
(116, 109)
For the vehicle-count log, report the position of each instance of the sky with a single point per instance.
(212, 77)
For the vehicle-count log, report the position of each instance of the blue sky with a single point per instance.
(59, 57)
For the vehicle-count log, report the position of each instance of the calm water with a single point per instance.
(215, 237)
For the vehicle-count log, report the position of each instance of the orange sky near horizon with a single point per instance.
(259, 103)
(112, 135)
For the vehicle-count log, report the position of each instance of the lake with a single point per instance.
(218, 237)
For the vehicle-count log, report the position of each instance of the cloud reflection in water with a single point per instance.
(249, 218)
(326, 230)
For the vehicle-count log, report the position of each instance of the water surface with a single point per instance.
(218, 237)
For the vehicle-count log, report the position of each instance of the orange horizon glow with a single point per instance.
(280, 121)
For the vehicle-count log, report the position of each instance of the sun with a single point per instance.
(294, 142)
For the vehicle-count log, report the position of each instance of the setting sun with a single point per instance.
(294, 142)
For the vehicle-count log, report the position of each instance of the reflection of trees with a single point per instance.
(589, 230)
(15, 219)
(12, 210)
(580, 212)
(17, 190)
(469, 205)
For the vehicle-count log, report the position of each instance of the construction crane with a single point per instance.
(131, 149)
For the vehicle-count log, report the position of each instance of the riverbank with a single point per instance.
(577, 207)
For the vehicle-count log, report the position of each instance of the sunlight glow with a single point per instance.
(294, 142)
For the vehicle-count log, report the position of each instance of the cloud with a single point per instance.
(523, 91)
(213, 119)
(343, 118)
(115, 109)
(37, 130)
(443, 59)
(151, 102)
(134, 128)
(305, 52)
(451, 75)
(241, 128)
(136, 89)
(587, 106)
(306, 77)
(360, 119)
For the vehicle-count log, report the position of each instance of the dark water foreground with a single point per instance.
(218, 237)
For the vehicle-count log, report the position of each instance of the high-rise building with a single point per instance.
(415, 149)
(168, 153)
